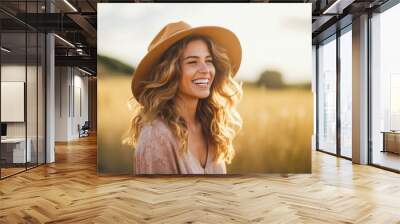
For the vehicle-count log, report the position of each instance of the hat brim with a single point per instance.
(221, 36)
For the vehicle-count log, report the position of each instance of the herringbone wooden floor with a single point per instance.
(70, 191)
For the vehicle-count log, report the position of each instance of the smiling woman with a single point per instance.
(185, 118)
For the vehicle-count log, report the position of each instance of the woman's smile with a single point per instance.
(201, 83)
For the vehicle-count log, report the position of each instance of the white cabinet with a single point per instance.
(18, 149)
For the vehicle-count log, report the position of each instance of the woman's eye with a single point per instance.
(195, 62)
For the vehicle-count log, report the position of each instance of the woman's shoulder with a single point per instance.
(156, 130)
(156, 150)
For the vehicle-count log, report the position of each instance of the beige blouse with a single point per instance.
(157, 152)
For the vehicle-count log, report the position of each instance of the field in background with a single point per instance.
(276, 134)
(113, 118)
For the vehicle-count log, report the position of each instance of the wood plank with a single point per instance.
(70, 191)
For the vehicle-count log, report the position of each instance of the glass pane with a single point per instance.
(386, 89)
(346, 94)
(394, 102)
(327, 97)
(13, 87)
(31, 98)
(23, 88)
(313, 87)
(31, 85)
(41, 98)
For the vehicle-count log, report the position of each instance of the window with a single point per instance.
(395, 102)
(385, 88)
(327, 96)
(346, 94)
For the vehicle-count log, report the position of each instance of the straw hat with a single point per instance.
(174, 32)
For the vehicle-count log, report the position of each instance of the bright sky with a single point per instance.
(273, 36)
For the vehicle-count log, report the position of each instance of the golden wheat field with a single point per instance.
(275, 138)
(276, 133)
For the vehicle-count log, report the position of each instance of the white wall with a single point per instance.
(62, 81)
(80, 110)
(71, 94)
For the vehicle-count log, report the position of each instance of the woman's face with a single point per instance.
(198, 70)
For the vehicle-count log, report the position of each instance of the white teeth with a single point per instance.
(200, 81)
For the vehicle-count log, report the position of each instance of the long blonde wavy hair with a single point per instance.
(217, 113)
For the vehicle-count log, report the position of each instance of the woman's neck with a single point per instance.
(187, 107)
